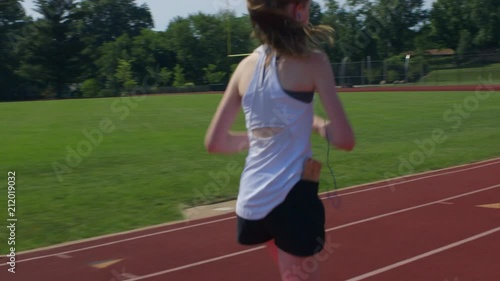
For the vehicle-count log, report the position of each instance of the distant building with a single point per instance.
(435, 52)
(440, 52)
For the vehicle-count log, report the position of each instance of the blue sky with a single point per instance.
(165, 10)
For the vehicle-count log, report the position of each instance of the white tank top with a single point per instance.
(274, 164)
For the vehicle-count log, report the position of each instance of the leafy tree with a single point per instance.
(213, 76)
(165, 76)
(448, 19)
(12, 21)
(315, 13)
(202, 39)
(241, 30)
(124, 75)
(465, 43)
(349, 33)
(51, 54)
(424, 39)
(148, 55)
(102, 21)
(208, 31)
(179, 79)
(107, 63)
(183, 42)
(150, 51)
(90, 88)
(400, 20)
(455, 22)
(485, 17)
(105, 20)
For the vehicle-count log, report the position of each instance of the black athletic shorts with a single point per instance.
(297, 225)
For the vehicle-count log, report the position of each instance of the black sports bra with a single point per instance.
(306, 97)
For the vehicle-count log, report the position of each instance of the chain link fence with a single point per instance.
(420, 70)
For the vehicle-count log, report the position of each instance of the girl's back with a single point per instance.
(279, 123)
(294, 72)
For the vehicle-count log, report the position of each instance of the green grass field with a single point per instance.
(152, 160)
(464, 76)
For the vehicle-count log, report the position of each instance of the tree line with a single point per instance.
(104, 48)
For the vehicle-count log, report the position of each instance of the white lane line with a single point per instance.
(424, 255)
(410, 180)
(459, 168)
(328, 230)
(196, 264)
(446, 203)
(233, 217)
(116, 242)
(64, 256)
(413, 208)
(128, 275)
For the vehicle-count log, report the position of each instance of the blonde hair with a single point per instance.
(273, 27)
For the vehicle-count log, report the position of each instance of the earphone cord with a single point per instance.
(330, 166)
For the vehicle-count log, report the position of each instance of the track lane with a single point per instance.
(144, 255)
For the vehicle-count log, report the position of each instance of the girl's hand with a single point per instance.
(319, 126)
(338, 130)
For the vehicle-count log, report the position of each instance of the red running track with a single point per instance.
(423, 227)
(415, 88)
(480, 87)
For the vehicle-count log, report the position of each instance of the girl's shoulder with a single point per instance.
(249, 62)
(318, 57)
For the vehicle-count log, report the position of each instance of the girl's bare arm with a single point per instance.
(219, 138)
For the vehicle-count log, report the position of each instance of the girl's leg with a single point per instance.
(293, 268)
(273, 251)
